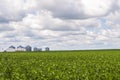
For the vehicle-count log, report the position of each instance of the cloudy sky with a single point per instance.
(60, 24)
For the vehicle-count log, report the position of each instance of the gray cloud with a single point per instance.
(5, 27)
(80, 9)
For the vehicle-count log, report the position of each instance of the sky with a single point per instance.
(60, 24)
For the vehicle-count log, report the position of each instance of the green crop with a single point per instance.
(61, 65)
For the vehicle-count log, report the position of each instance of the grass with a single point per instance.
(61, 65)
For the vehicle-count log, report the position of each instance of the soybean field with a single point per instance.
(61, 65)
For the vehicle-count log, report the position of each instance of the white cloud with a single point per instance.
(61, 24)
(97, 7)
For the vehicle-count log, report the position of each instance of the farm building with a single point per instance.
(37, 49)
(21, 48)
(11, 49)
(47, 49)
(28, 48)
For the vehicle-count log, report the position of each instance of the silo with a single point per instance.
(28, 48)
(47, 49)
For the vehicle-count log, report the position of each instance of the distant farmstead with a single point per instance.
(22, 49)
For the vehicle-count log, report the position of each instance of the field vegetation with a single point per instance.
(61, 65)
